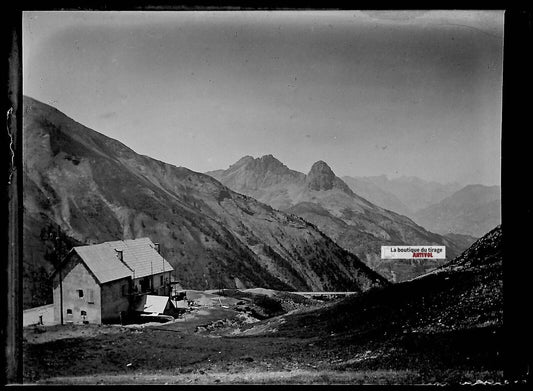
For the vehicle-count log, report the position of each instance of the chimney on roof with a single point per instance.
(156, 247)
(120, 254)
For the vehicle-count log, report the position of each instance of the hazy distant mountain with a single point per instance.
(327, 201)
(365, 187)
(405, 194)
(81, 187)
(473, 210)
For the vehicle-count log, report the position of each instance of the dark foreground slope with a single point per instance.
(449, 321)
(445, 327)
(83, 187)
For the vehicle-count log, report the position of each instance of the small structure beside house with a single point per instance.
(39, 316)
(98, 283)
(154, 306)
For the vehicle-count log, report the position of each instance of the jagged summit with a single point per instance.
(270, 162)
(261, 165)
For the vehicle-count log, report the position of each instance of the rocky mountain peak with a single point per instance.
(321, 166)
(321, 177)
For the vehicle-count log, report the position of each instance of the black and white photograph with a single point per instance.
(262, 197)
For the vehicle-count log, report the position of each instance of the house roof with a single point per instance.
(152, 304)
(139, 259)
(103, 262)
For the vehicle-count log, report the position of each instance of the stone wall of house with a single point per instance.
(81, 293)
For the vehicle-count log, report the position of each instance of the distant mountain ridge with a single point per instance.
(83, 187)
(473, 210)
(366, 188)
(405, 194)
(327, 201)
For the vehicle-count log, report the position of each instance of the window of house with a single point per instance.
(69, 311)
(145, 284)
(83, 313)
(90, 296)
(161, 280)
(80, 292)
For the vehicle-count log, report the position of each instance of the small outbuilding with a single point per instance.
(155, 305)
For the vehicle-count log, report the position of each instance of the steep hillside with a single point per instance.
(325, 200)
(486, 252)
(473, 210)
(91, 188)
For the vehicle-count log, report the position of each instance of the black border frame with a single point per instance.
(517, 199)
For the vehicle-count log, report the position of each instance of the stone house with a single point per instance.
(97, 283)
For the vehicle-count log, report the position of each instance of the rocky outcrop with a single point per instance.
(321, 177)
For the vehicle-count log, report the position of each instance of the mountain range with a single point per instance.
(448, 209)
(81, 187)
(325, 200)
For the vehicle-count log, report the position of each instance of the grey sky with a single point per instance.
(415, 93)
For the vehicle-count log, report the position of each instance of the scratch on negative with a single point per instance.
(12, 167)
